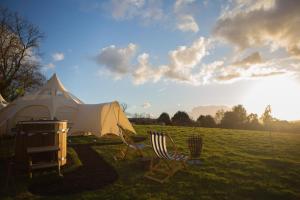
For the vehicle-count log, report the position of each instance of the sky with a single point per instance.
(163, 56)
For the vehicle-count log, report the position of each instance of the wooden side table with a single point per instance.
(52, 163)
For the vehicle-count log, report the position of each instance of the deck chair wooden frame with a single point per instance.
(129, 144)
(168, 163)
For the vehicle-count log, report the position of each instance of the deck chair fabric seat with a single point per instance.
(169, 163)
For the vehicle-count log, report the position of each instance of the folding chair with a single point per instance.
(129, 145)
(168, 163)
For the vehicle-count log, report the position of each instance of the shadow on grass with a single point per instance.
(94, 173)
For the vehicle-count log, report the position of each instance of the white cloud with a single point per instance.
(144, 71)
(187, 23)
(247, 24)
(146, 105)
(182, 5)
(146, 10)
(185, 20)
(31, 56)
(124, 9)
(219, 72)
(116, 60)
(182, 60)
(48, 66)
(188, 56)
(252, 59)
(185, 65)
(273, 23)
(153, 11)
(185, 58)
(58, 56)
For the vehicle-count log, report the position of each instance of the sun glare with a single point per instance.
(282, 93)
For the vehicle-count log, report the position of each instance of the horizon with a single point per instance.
(165, 56)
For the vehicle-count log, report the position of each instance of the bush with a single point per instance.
(206, 121)
(181, 118)
(164, 118)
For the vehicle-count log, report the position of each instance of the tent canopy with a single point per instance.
(53, 101)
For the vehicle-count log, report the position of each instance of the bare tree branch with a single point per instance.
(19, 45)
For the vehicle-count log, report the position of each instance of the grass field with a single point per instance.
(235, 165)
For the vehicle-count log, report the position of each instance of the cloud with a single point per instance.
(273, 23)
(119, 61)
(228, 76)
(187, 23)
(250, 67)
(144, 71)
(153, 11)
(146, 105)
(124, 9)
(253, 58)
(146, 10)
(188, 57)
(268, 74)
(48, 66)
(207, 110)
(185, 65)
(182, 61)
(58, 56)
(181, 5)
(115, 60)
(185, 20)
(31, 57)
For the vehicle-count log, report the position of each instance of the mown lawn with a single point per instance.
(235, 165)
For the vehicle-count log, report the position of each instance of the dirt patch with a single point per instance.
(95, 173)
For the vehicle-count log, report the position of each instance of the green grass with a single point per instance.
(235, 165)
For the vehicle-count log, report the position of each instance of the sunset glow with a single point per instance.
(282, 93)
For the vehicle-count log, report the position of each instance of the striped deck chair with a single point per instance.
(168, 163)
(129, 145)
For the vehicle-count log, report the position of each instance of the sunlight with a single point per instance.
(282, 93)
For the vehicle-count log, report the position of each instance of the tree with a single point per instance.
(267, 118)
(164, 118)
(124, 107)
(252, 122)
(206, 121)
(229, 119)
(237, 118)
(241, 113)
(181, 118)
(19, 63)
(219, 116)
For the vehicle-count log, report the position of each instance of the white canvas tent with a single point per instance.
(3, 103)
(53, 101)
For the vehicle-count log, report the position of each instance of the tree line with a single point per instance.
(236, 118)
